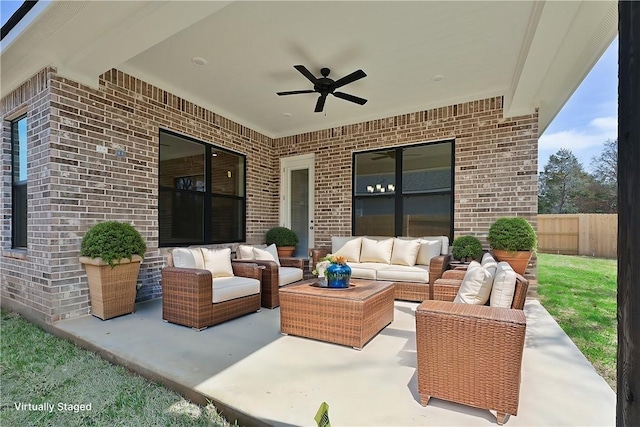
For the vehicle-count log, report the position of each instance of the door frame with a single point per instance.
(288, 164)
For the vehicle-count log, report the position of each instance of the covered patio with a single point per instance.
(254, 374)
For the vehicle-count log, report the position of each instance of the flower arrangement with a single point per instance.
(324, 262)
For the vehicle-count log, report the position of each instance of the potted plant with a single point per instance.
(467, 248)
(284, 239)
(512, 239)
(111, 253)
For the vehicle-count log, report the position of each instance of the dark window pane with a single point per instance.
(227, 219)
(427, 215)
(19, 212)
(19, 183)
(182, 163)
(375, 173)
(227, 173)
(374, 216)
(426, 168)
(181, 217)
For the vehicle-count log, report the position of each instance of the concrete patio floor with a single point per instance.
(255, 374)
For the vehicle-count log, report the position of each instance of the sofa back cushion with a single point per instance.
(444, 240)
(348, 247)
(187, 258)
(504, 286)
(405, 252)
(218, 262)
(376, 250)
(270, 253)
(476, 285)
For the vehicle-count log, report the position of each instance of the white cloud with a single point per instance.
(583, 143)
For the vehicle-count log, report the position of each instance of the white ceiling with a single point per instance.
(533, 53)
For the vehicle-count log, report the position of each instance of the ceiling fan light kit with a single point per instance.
(326, 86)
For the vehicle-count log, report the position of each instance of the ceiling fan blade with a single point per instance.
(320, 103)
(295, 92)
(356, 75)
(351, 98)
(303, 70)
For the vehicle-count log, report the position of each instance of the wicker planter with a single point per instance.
(112, 290)
(518, 260)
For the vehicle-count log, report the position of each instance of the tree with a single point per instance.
(605, 176)
(561, 183)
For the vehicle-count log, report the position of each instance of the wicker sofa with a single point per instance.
(277, 271)
(471, 354)
(195, 296)
(412, 267)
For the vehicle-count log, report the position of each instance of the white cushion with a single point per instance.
(444, 240)
(364, 270)
(228, 288)
(270, 253)
(487, 257)
(403, 273)
(405, 252)
(428, 249)
(288, 275)
(245, 252)
(376, 250)
(476, 285)
(350, 248)
(504, 286)
(187, 258)
(218, 262)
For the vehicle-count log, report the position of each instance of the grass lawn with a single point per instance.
(581, 294)
(38, 368)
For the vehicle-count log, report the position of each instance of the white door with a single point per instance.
(296, 199)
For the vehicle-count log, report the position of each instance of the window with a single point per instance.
(202, 193)
(404, 191)
(19, 183)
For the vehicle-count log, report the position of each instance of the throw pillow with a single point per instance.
(350, 250)
(218, 262)
(270, 253)
(183, 258)
(245, 252)
(428, 249)
(405, 252)
(376, 250)
(476, 285)
(487, 257)
(504, 286)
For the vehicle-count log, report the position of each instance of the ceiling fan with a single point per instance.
(325, 86)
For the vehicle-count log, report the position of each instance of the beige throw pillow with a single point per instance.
(405, 252)
(218, 262)
(504, 286)
(187, 258)
(428, 249)
(350, 250)
(245, 252)
(376, 250)
(476, 285)
(270, 253)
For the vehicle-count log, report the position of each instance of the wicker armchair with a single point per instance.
(471, 354)
(187, 296)
(271, 277)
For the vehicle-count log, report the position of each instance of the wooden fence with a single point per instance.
(579, 234)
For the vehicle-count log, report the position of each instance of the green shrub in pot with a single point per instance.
(465, 247)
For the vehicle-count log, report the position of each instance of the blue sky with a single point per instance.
(588, 119)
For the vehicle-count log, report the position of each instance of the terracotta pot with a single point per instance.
(518, 260)
(285, 251)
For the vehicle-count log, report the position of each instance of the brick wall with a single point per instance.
(72, 186)
(496, 163)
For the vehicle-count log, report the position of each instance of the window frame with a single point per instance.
(398, 194)
(208, 195)
(19, 232)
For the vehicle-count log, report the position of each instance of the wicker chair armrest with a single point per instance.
(247, 269)
(192, 281)
(454, 274)
(269, 268)
(316, 254)
(480, 313)
(437, 266)
(292, 262)
(446, 289)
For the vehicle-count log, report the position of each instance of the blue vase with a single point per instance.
(338, 275)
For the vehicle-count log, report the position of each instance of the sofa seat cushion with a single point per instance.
(288, 275)
(403, 273)
(228, 288)
(364, 270)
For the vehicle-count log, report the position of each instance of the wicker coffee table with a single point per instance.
(342, 316)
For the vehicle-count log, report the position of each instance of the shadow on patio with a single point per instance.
(255, 374)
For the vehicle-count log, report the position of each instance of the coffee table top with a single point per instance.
(359, 289)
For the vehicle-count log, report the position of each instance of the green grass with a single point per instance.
(37, 367)
(581, 294)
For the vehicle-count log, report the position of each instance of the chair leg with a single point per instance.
(502, 418)
(424, 399)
